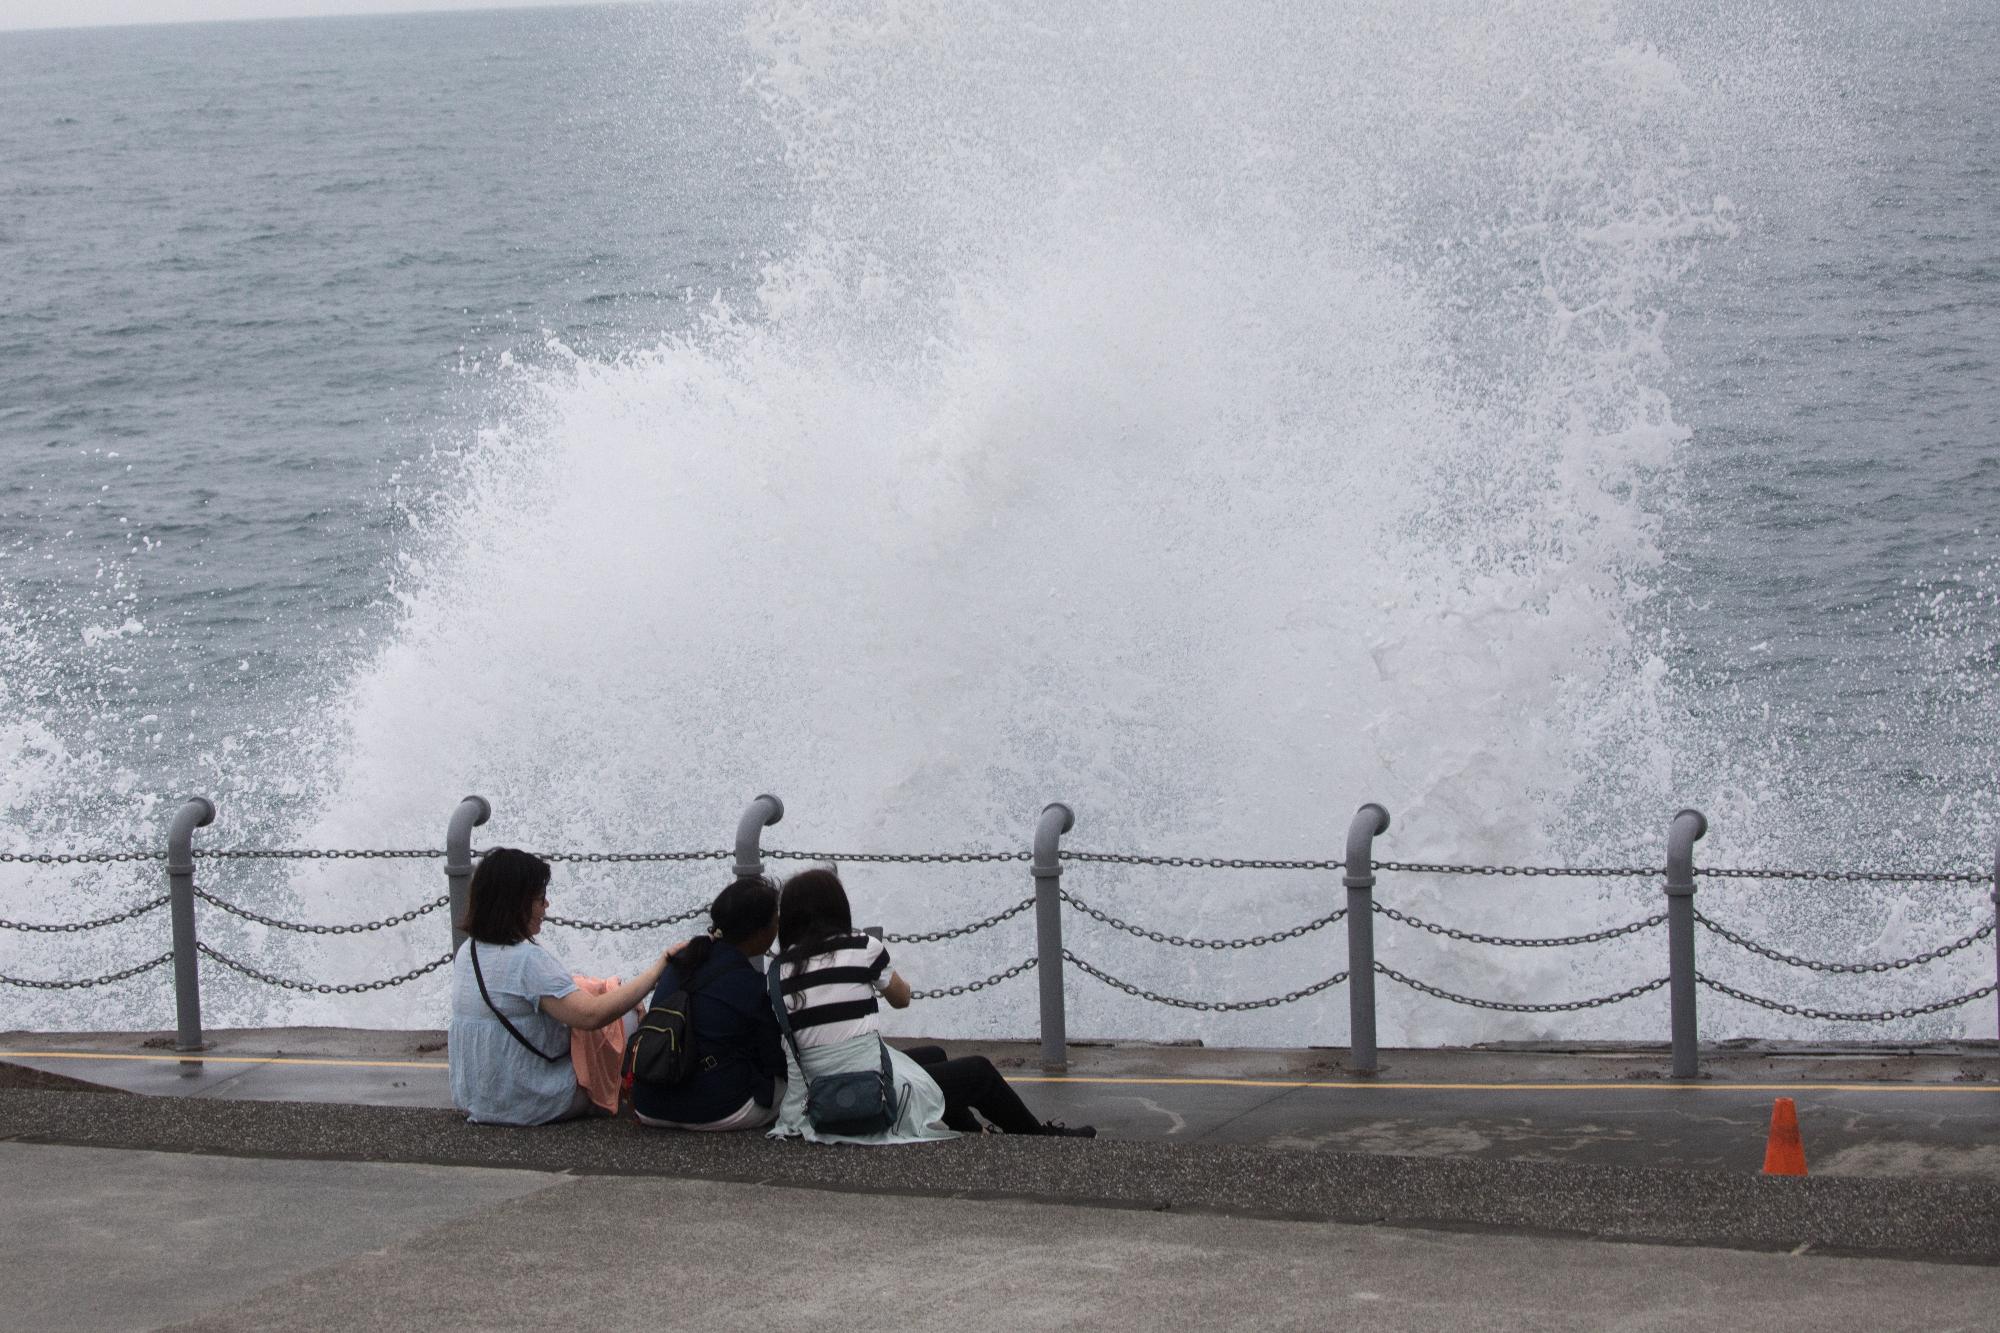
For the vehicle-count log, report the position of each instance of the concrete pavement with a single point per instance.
(99, 1239)
(1893, 1111)
(121, 1240)
(1915, 1218)
(315, 1178)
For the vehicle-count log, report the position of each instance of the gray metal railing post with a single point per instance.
(758, 815)
(196, 812)
(1996, 934)
(1369, 822)
(1055, 820)
(1687, 829)
(469, 815)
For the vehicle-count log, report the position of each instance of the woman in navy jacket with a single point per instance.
(739, 1074)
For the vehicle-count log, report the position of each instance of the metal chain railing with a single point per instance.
(1893, 965)
(1545, 872)
(1066, 854)
(1855, 876)
(1203, 1006)
(72, 927)
(1473, 937)
(1503, 1006)
(984, 923)
(653, 923)
(702, 910)
(599, 858)
(1194, 862)
(971, 986)
(1185, 942)
(309, 928)
(897, 858)
(320, 988)
(27, 983)
(316, 854)
(1837, 1016)
(1362, 964)
(1528, 871)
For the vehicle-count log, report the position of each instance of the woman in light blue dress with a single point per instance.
(513, 1002)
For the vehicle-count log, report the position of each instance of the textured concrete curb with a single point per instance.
(1918, 1219)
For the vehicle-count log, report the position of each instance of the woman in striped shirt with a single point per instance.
(833, 978)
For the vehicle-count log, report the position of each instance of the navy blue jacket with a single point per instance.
(738, 1049)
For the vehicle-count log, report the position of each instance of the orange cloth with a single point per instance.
(599, 1056)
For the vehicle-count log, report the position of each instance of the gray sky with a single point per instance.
(81, 13)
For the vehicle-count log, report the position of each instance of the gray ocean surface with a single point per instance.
(254, 271)
(263, 285)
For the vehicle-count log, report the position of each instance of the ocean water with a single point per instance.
(1534, 422)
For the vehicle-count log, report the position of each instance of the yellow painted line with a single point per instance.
(1356, 1085)
(201, 1057)
(1639, 1085)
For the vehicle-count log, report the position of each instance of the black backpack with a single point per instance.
(661, 1052)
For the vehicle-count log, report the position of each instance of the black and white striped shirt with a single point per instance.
(831, 997)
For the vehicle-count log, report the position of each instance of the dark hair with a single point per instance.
(812, 912)
(738, 912)
(505, 889)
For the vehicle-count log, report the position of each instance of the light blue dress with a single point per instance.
(919, 1104)
(494, 1079)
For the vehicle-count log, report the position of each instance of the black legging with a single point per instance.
(971, 1083)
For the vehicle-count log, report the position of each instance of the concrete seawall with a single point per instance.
(1495, 1147)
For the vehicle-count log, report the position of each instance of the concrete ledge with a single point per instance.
(1918, 1219)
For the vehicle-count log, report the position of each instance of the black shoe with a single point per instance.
(1062, 1131)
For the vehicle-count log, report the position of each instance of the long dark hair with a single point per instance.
(738, 912)
(501, 901)
(812, 913)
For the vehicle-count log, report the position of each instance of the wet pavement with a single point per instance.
(306, 1178)
(229, 1243)
(1896, 1111)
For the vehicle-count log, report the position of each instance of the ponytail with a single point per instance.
(738, 912)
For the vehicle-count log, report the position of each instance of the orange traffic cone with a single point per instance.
(1784, 1152)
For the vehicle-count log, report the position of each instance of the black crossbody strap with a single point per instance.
(784, 1019)
(480, 977)
(785, 1026)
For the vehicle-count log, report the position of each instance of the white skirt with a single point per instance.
(919, 1104)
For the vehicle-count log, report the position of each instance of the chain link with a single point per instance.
(600, 858)
(314, 854)
(972, 986)
(1066, 854)
(1816, 965)
(1473, 937)
(932, 937)
(654, 924)
(1193, 862)
(1502, 1006)
(71, 927)
(104, 980)
(1856, 876)
(900, 858)
(321, 988)
(1859, 1016)
(1546, 872)
(1183, 942)
(308, 928)
(693, 912)
(1531, 872)
(1204, 1006)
